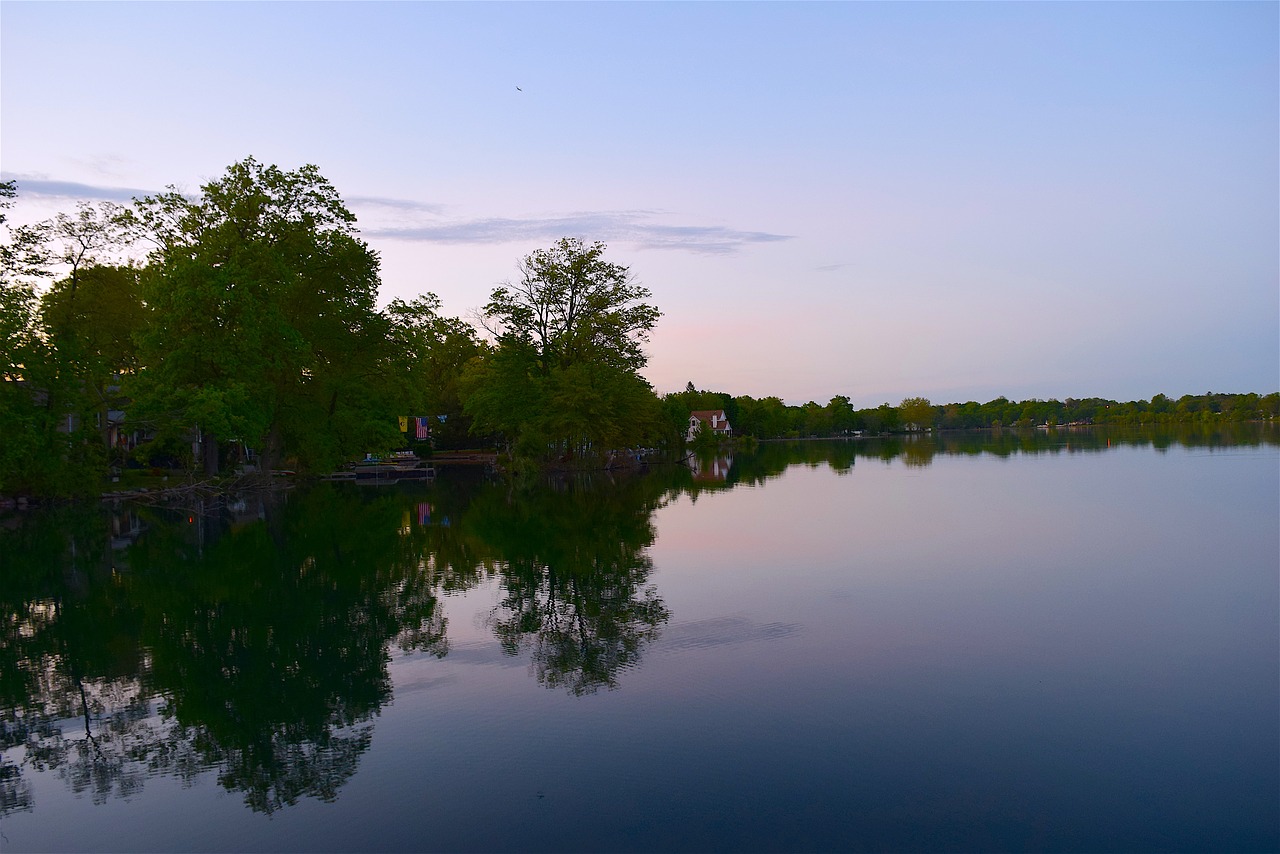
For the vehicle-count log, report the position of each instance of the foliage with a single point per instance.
(97, 315)
(253, 326)
(572, 306)
(46, 396)
(562, 384)
(764, 418)
(428, 354)
(770, 418)
(262, 323)
(916, 412)
(91, 320)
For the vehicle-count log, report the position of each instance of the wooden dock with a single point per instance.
(464, 458)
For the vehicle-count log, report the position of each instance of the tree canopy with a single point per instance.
(252, 327)
(572, 306)
(252, 324)
(263, 318)
(563, 382)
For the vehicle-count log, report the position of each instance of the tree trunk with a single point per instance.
(269, 455)
(209, 450)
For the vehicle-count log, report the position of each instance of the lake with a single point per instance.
(1054, 640)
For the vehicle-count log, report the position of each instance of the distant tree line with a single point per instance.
(770, 418)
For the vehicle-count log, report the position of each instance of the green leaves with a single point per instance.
(263, 324)
(917, 411)
(429, 353)
(564, 382)
(574, 306)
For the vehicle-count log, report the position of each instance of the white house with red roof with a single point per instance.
(708, 419)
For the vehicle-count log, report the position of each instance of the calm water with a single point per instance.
(1053, 641)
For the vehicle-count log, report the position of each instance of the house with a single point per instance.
(708, 419)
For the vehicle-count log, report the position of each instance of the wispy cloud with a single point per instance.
(636, 227)
(399, 205)
(830, 268)
(46, 189)
(640, 227)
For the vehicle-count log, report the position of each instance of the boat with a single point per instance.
(400, 466)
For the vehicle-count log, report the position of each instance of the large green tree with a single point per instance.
(572, 306)
(263, 328)
(917, 411)
(564, 379)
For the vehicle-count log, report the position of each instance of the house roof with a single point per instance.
(704, 418)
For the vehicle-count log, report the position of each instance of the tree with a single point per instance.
(563, 381)
(20, 339)
(92, 318)
(90, 315)
(428, 354)
(87, 237)
(765, 418)
(42, 450)
(263, 327)
(572, 306)
(24, 252)
(22, 260)
(841, 415)
(815, 420)
(918, 411)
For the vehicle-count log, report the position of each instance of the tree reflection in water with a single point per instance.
(264, 632)
(574, 569)
(273, 655)
(253, 640)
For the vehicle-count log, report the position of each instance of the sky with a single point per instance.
(879, 200)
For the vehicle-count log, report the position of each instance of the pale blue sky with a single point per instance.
(881, 200)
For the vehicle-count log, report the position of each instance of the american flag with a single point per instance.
(424, 427)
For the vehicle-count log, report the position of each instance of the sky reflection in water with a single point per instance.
(1004, 642)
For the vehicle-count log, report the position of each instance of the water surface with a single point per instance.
(1051, 641)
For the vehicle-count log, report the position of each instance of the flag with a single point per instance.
(424, 513)
(424, 428)
(404, 423)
